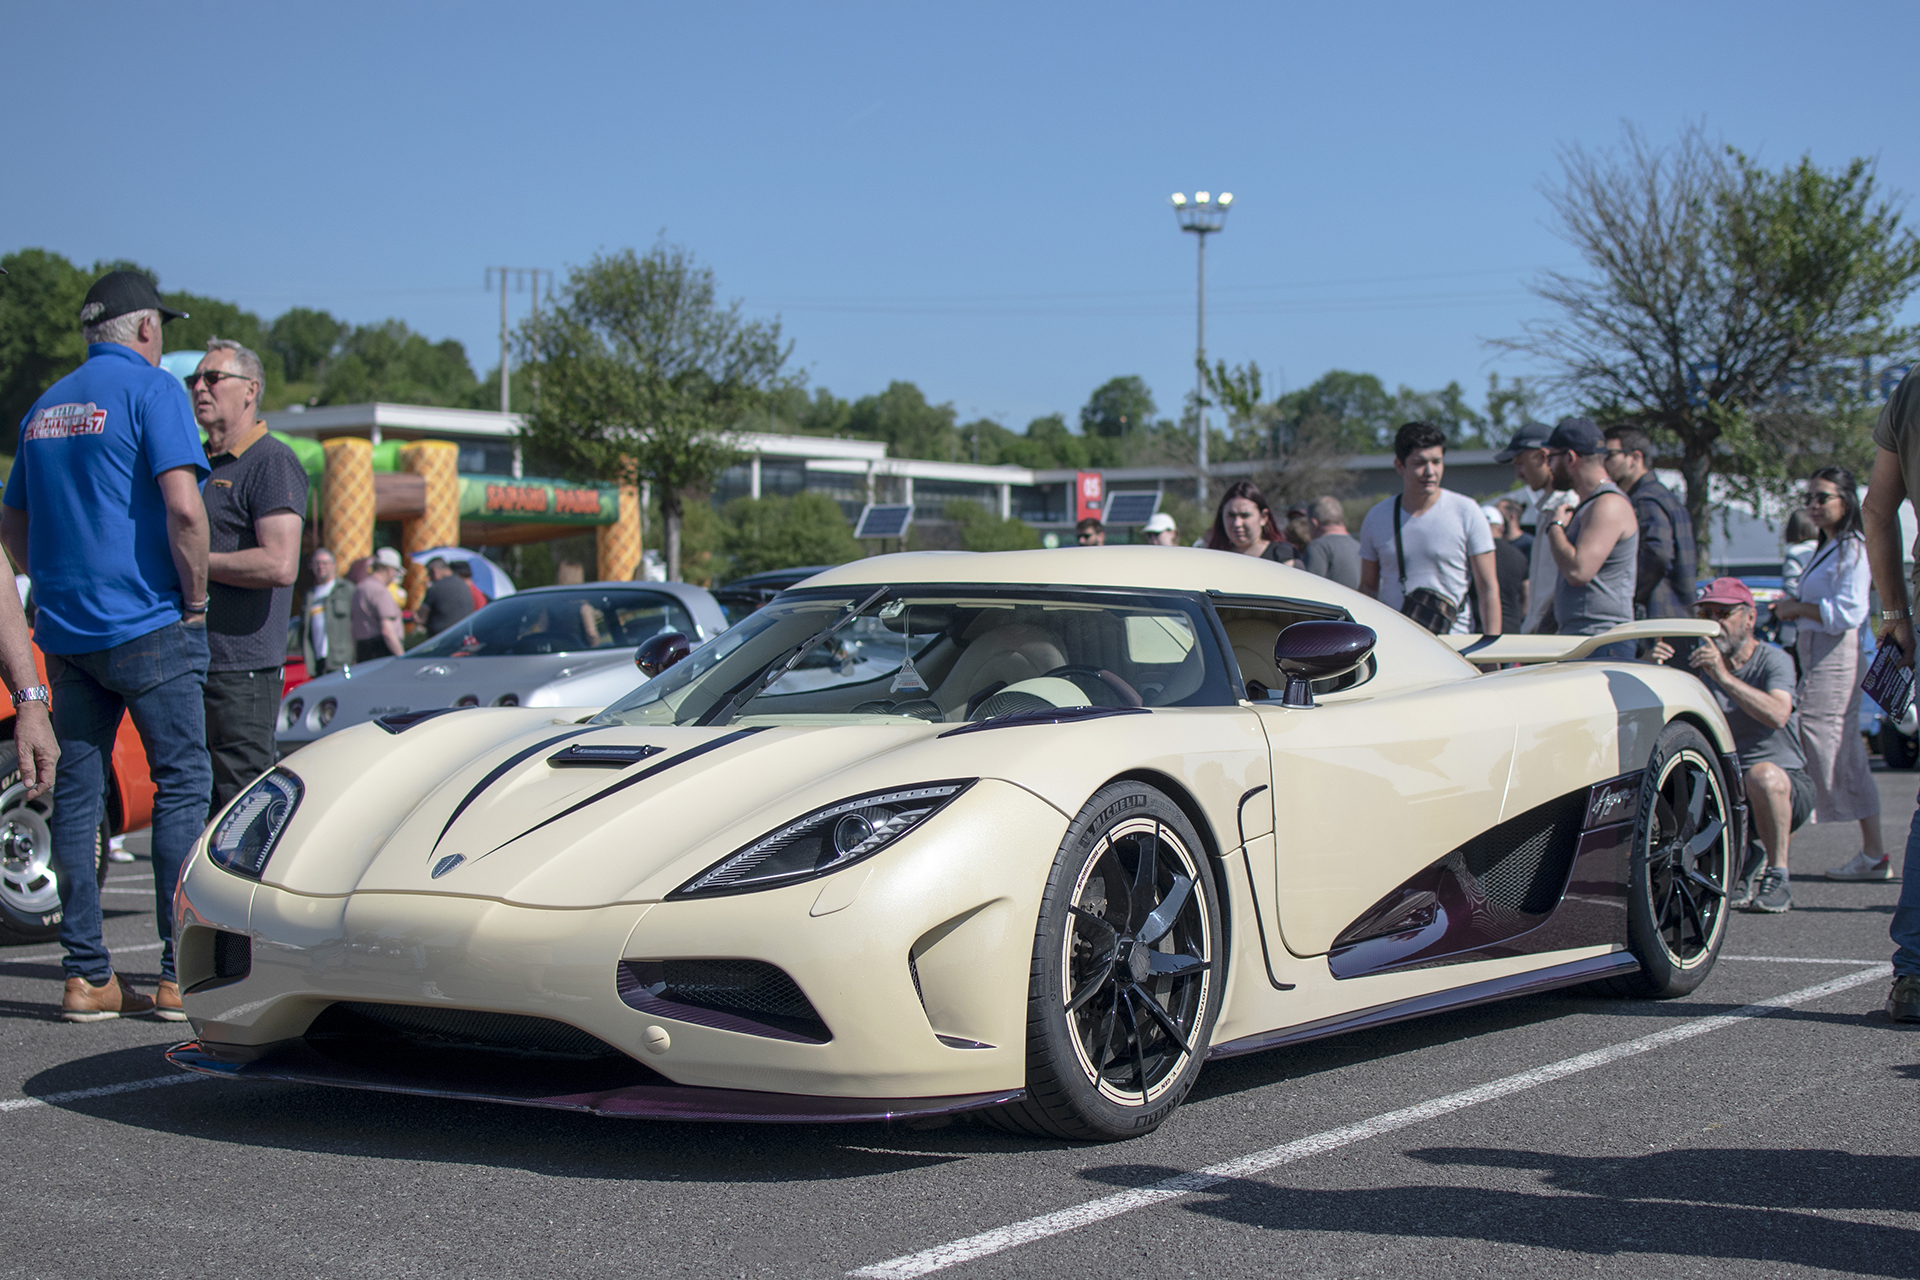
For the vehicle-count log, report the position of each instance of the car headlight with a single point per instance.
(244, 838)
(324, 712)
(290, 719)
(825, 840)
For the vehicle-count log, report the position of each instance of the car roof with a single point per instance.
(1164, 568)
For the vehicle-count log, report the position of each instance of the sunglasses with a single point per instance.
(213, 378)
(1715, 612)
(1815, 498)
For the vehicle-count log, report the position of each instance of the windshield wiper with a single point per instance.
(781, 663)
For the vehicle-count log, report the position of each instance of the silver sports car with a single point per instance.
(548, 647)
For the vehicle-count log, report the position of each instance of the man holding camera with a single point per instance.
(1753, 682)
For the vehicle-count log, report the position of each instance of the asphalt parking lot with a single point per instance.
(1764, 1126)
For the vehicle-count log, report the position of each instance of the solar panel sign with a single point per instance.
(1131, 507)
(884, 520)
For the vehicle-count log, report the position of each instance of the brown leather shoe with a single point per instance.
(166, 1002)
(84, 1002)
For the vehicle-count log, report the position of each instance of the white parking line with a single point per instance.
(101, 1091)
(987, 1243)
(1798, 960)
(142, 892)
(45, 956)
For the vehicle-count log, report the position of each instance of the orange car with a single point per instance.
(29, 883)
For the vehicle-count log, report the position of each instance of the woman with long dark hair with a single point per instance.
(1831, 602)
(1244, 523)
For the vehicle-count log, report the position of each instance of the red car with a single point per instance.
(29, 883)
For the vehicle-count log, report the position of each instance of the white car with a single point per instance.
(547, 647)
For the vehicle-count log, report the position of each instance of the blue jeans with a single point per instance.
(1618, 651)
(1906, 916)
(159, 680)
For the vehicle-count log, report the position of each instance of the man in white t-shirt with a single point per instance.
(1449, 546)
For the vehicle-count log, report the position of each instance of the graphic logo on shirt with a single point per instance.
(60, 421)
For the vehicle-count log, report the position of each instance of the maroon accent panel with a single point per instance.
(1570, 974)
(1613, 801)
(293, 1061)
(1502, 894)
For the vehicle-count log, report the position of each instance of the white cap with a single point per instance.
(1493, 514)
(388, 557)
(1159, 522)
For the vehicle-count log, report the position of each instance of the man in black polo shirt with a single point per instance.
(256, 496)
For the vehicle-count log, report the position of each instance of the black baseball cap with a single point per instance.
(1577, 435)
(120, 293)
(1531, 435)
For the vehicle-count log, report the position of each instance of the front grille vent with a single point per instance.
(435, 1028)
(749, 996)
(232, 955)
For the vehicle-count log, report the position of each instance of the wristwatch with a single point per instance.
(33, 693)
(1895, 615)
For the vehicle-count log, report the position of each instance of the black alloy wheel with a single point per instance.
(1125, 983)
(1683, 866)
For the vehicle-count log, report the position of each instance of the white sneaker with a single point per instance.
(117, 850)
(1859, 867)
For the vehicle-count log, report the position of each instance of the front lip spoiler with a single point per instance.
(292, 1060)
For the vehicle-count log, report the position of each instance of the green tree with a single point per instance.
(982, 530)
(1509, 407)
(40, 342)
(912, 428)
(644, 374)
(389, 361)
(782, 533)
(305, 341)
(1117, 408)
(1726, 307)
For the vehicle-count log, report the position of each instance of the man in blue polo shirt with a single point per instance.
(103, 510)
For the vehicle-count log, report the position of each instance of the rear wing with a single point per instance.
(1487, 650)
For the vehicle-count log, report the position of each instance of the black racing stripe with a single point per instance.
(641, 776)
(500, 770)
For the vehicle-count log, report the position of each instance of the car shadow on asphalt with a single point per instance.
(1731, 1205)
(366, 1124)
(1271, 1066)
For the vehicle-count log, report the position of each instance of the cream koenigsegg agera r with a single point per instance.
(1035, 834)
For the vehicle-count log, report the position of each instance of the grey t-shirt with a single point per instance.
(1335, 556)
(1439, 541)
(247, 626)
(1898, 431)
(1769, 669)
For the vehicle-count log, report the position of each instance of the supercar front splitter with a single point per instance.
(298, 1062)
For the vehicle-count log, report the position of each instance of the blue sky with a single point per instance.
(970, 197)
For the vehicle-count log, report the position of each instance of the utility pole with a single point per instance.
(521, 275)
(1203, 216)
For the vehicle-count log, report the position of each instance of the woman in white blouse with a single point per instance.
(1832, 603)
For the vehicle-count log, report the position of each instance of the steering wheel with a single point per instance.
(1102, 687)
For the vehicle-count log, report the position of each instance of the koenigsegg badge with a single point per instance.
(1611, 802)
(447, 864)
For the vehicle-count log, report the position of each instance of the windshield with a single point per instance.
(948, 654)
(559, 622)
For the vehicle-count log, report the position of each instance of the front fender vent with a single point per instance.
(748, 996)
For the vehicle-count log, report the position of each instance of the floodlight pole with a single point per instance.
(1203, 215)
(523, 274)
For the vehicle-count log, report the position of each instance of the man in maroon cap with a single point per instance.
(1753, 683)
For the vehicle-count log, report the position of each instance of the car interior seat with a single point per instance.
(1004, 654)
